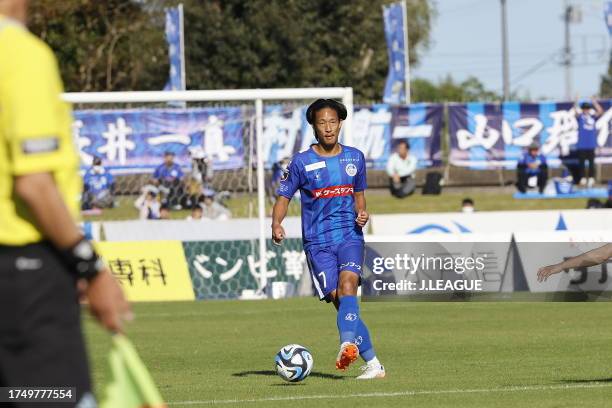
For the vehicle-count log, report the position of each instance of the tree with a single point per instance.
(295, 43)
(605, 86)
(119, 44)
(104, 45)
(447, 90)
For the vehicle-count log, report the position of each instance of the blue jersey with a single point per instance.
(96, 182)
(587, 133)
(528, 159)
(326, 185)
(164, 173)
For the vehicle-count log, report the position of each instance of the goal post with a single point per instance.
(258, 96)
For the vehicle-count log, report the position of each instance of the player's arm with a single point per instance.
(290, 182)
(360, 208)
(278, 215)
(598, 109)
(594, 257)
(40, 194)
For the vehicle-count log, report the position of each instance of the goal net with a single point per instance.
(191, 159)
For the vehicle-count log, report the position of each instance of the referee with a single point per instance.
(42, 252)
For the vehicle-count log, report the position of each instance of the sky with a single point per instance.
(466, 41)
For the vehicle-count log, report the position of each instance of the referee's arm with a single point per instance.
(39, 192)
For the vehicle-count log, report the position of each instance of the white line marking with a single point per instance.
(402, 393)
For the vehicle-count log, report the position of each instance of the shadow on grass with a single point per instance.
(586, 381)
(272, 373)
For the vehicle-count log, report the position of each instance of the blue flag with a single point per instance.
(608, 15)
(393, 16)
(174, 37)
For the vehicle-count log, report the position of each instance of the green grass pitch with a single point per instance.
(489, 354)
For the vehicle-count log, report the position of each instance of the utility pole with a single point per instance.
(505, 59)
(567, 60)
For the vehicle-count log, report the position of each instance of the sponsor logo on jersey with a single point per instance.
(315, 166)
(333, 191)
(351, 169)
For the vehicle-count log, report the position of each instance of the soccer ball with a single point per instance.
(293, 363)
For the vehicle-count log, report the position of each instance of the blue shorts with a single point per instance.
(326, 263)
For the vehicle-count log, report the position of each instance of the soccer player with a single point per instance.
(591, 258)
(331, 178)
(42, 252)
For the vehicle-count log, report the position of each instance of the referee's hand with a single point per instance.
(107, 302)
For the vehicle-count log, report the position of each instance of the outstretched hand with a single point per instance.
(546, 271)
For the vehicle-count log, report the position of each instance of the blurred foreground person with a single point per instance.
(42, 252)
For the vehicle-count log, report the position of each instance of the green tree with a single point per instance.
(295, 43)
(104, 45)
(447, 90)
(605, 86)
(120, 45)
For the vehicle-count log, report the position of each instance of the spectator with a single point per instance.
(467, 205)
(213, 210)
(532, 170)
(400, 168)
(164, 212)
(196, 214)
(168, 176)
(587, 139)
(200, 177)
(98, 187)
(148, 204)
(594, 204)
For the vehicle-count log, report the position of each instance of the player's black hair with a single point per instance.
(586, 105)
(322, 104)
(467, 200)
(97, 161)
(403, 141)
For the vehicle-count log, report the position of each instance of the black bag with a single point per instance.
(432, 183)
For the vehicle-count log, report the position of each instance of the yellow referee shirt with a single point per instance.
(35, 129)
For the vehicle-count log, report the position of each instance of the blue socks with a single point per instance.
(348, 318)
(352, 328)
(363, 342)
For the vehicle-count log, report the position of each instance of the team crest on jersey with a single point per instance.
(351, 169)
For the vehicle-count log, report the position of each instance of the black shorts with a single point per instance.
(41, 344)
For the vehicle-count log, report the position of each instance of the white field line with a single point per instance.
(526, 388)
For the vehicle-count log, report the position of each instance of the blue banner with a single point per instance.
(485, 136)
(174, 38)
(130, 141)
(395, 91)
(375, 128)
(134, 141)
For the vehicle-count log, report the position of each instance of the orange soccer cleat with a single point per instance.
(348, 354)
